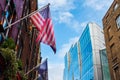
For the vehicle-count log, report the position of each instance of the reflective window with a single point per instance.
(104, 65)
(115, 7)
(86, 55)
(118, 21)
(74, 71)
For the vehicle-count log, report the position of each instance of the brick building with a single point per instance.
(111, 23)
(23, 32)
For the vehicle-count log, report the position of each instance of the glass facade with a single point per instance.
(86, 55)
(104, 65)
(72, 65)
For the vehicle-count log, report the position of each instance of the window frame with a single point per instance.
(118, 21)
(116, 6)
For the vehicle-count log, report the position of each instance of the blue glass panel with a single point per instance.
(86, 54)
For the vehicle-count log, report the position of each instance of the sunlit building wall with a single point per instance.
(111, 27)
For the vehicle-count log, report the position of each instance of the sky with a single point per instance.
(69, 17)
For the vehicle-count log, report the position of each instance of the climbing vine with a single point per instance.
(12, 65)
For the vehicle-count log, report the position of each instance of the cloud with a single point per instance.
(83, 24)
(97, 4)
(65, 47)
(65, 17)
(55, 71)
(68, 19)
(60, 10)
(79, 27)
(62, 5)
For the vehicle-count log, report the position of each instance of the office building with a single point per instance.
(91, 41)
(72, 65)
(84, 58)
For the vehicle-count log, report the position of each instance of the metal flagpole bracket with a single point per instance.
(32, 69)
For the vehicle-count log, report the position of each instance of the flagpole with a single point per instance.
(36, 78)
(32, 69)
(27, 16)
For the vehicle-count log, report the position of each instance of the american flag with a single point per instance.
(43, 23)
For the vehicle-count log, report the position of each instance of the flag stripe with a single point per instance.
(38, 20)
(35, 23)
(43, 34)
(40, 17)
(49, 31)
(43, 23)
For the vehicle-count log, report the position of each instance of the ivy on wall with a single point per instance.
(12, 64)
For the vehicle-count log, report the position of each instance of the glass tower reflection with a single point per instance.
(86, 55)
(82, 62)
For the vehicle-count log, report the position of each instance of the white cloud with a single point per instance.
(61, 13)
(58, 4)
(65, 17)
(65, 47)
(83, 24)
(60, 10)
(70, 21)
(79, 27)
(55, 71)
(97, 4)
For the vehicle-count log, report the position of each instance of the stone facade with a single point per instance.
(112, 38)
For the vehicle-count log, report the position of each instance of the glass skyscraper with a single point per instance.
(74, 69)
(91, 41)
(84, 57)
(72, 64)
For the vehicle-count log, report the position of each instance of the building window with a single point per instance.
(109, 33)
(112, 47)
(118, 21)
(116, 71)
(115, 7)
